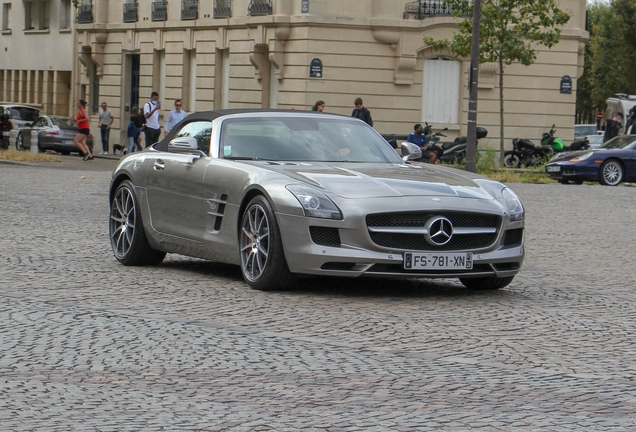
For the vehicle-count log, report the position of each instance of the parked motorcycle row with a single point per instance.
(525, 153)
(450, 151)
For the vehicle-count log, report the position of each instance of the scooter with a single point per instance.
(455, 151)
(524, 151)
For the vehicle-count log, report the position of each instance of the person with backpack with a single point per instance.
(613, 126)
(151, 113)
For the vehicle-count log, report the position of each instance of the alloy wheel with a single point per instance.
(254, 242)
(612, 173)
(122, 222)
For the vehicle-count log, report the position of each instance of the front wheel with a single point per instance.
(512, 159)
(611, 173)
(263, 261)
(486, 283)
(127, 235)
(19, 144)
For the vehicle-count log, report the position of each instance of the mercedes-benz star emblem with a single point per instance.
(439, 230)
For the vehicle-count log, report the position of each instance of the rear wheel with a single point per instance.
(611, 173)
(263, 261)
(486, 283)
(127, 235)
(512, 160)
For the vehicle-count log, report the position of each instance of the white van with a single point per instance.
(620, 103)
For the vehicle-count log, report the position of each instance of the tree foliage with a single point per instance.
(510, 31)
(610, 59)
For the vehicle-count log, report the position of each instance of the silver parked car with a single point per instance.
(288, 193)
(52, 133)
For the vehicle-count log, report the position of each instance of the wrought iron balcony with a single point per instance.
(260, 7)
(130, 12)
(222, 8)
(189, 9)
(85, 14)
(159, 11)
(421, 9)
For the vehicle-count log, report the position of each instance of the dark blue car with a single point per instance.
(614, 162)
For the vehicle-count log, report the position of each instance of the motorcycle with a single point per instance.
(5, 127)
(525, 152)
(453, 151)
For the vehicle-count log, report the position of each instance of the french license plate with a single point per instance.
(438, 261)
(68, 142)
(554, 168)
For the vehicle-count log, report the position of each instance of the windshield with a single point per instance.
(24, 113)
(621, 142)
(304, 139)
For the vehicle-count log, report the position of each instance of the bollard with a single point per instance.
(34, 142)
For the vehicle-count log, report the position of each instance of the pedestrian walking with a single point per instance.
(134, 130)
(84, 129)
(361, 112)
(104, 123)
(175, 116)
(151, 112)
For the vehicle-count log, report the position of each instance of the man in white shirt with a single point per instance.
(151, 112)
(174, 117)
(104, 123)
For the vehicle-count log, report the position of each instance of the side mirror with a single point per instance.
(410, 151)
(183, 144)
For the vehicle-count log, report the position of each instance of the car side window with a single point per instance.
(41, 122)
(200, 130)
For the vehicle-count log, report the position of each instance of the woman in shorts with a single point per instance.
(84, 130)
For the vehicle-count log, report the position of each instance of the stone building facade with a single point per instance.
(37, 54)
(289, 53)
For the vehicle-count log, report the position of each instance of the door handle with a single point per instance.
(159, 165)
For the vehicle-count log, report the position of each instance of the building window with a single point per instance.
(441, 87)
(159, 10)
(85, 12)
(6, 17)
(222, 8)
(260, 7)
(130, 11)
(189, 9)
(36, 15)
(65, 14)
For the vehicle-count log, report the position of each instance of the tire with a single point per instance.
(611, 173)
(486, 283)
(127, 235)
(19, 145)
(512, 159)
(263, 263)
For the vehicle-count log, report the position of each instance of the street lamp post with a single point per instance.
(471, 148)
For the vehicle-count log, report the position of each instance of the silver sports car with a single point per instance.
(288, 193)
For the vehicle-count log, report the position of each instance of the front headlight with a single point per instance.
(582, 157)
(315, 203)
(505, 196)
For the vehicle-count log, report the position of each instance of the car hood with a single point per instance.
(350, 180)
(566, 156)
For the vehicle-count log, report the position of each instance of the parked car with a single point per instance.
(611, 164)
(53, 133)
(595, 140)
(20, 115)
(288, 193)
(582, 130)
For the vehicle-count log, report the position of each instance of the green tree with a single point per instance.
(510, 30)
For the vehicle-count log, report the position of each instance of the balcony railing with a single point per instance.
(222, 8)
(130, 12)
(260, 7)
(421, 9)
(159, 11)
(189, 9)
(85, 14)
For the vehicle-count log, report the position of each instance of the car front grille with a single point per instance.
(409, 241)
(513, 237)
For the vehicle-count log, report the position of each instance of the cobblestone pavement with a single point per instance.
(88, 344)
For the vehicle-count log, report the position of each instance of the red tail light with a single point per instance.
(51, 133)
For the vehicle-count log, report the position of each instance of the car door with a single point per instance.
(175, 189)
